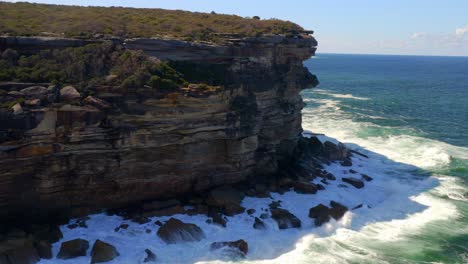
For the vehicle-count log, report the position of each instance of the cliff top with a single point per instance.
(28, 19)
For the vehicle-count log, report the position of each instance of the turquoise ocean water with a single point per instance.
(412, 112)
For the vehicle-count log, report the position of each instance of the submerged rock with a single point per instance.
(357, 183)
(366, 177)
(150, 256)
(259, 224)
(174, 231)
(337, 210)
(73, 248)
(322, 214)
(239, 245)
(103, 252)
(285, 219)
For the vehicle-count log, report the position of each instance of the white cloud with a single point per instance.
(461, 32)
(418, 35)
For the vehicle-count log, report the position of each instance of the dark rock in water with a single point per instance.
(352, 171)
(148, 231)
(159, 223)
(141, 219)
(150, 256)
(122, 226)
(324, 181)
(218, 219)
(357, 207)
(274, 204)
(320, 213)
(366, 177)
(251, 211)
(103, 252)
(346, 163)
(323, 214)
(44, 249)
(264, 216)
(259, 224)
(330, 177)
(320, 187)
(73, 248)
(305, 187)
(174, 231)
(285, 219)
(337, 210)
(354, 182)
(19, 251)
(72, 226)
(333, 151)
(240, 245)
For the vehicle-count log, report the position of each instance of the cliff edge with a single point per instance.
(74, 151)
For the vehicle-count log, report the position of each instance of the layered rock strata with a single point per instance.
(78, 154)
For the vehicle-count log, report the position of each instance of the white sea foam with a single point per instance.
(338, 95)
(397, 204)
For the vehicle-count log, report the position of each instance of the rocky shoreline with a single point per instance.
(217, 206)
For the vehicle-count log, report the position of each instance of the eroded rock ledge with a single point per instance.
(77, 154)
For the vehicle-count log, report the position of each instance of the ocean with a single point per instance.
(409, 115)
(411, 112)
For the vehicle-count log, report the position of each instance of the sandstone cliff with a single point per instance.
(80, 154)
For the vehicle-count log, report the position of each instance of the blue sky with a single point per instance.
(420, 27)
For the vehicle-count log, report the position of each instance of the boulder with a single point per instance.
(18, 251)
(323, 214)
(240, 245)
(44, 249)
(69, 94)
(366, 177)
(32, 102)
(150, 256)
(174, 231)
(285, 219)
(258, 224)
(334, 151)
(320, 213)
(337, 210)
(103, 252)
(357, 183)
(17, 109)
(73, 248)
(91, 100)
(346, 163)
(305, 187)
(122, 226)
(250, 211)
(35, 92)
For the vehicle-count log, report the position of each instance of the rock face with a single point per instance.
(119, 147)
(285, 219)
(73, 248)
(103, 252)
(239, 245)
(174, 231)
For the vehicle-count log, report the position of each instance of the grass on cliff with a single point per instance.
(73, 21)
(93, 64)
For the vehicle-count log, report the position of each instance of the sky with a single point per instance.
(405, 27)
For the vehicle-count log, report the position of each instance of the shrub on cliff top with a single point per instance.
(90, 65)
(36, 19)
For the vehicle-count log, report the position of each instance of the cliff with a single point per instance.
(73, 153)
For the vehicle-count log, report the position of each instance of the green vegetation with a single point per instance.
(73, 21)
(89, 65)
